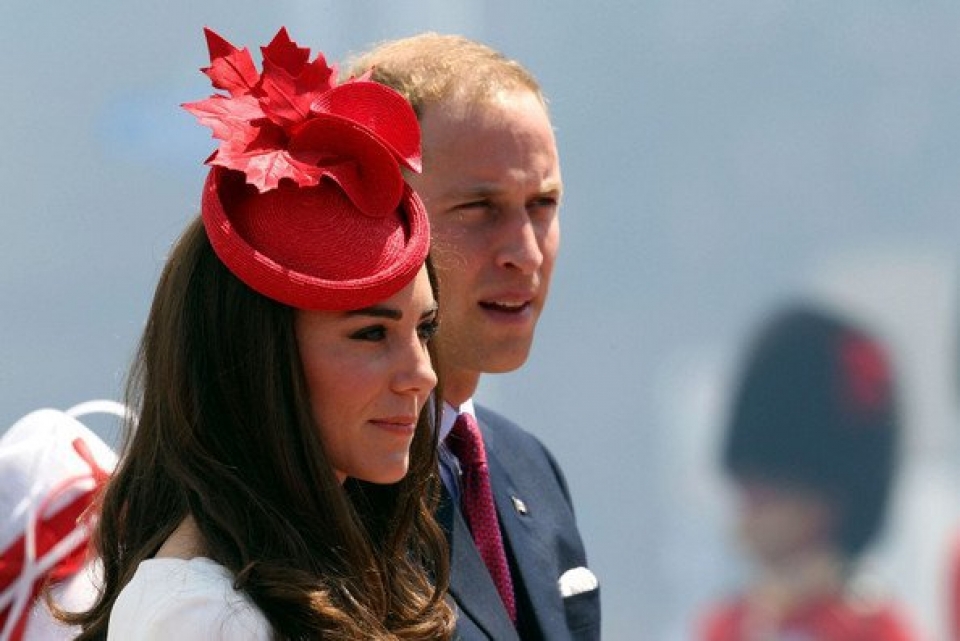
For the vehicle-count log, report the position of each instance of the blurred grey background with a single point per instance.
(719, 159)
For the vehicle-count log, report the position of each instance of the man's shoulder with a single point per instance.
(516, 449)
(498, 427)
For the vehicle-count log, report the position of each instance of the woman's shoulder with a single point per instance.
(186, 600)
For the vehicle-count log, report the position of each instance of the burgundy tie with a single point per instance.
(477, 500)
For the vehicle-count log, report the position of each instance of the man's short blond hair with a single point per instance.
(430, 68)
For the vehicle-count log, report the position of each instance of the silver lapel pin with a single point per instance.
(519, 505)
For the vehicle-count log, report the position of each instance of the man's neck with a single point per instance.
(459, 386)
(782, 587)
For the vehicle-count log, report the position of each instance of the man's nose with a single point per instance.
(520, 245)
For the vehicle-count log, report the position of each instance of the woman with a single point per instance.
(279, 481)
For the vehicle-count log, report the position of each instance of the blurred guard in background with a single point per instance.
(811, 449)
(952, 576)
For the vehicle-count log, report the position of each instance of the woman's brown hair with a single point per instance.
(224, 433)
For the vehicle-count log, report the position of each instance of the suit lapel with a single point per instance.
(520, 523)
(470, 583)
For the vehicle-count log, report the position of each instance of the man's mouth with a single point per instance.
(505, 306)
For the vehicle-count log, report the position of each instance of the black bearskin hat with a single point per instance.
(816, 408)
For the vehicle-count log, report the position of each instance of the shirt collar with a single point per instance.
(450, 414)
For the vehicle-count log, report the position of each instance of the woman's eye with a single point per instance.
(427, 329)
(375, 333)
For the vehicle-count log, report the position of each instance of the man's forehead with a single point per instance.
(469, 105)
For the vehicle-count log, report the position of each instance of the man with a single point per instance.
(492, 187)
(811, 448)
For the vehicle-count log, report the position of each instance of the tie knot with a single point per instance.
(466, 442)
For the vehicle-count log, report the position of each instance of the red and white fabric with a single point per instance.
(51, 466)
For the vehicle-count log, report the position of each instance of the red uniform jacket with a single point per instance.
(954, 592)
(831, 619)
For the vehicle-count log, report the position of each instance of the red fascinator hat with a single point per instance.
(305, 201)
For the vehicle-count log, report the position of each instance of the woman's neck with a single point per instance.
(186, 541)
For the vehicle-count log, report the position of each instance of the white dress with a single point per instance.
(185, 600)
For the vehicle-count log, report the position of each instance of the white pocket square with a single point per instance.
(576, 581)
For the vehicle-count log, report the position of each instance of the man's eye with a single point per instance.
(428, 329)
(546, 203)
(473, 205)
(375, 333)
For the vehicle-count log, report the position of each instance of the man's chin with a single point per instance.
(506, 362)
(483, 356)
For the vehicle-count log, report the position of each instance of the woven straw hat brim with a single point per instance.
(310, 248)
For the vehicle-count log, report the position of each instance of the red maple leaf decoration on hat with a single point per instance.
(293, 121)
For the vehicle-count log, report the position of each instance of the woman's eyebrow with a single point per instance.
(382, 311)
(378, 311)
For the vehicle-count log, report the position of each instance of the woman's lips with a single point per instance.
(403, 426)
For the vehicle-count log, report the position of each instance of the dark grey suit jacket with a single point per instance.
(542, 543)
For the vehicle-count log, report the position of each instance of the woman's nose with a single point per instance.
(416, 373)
